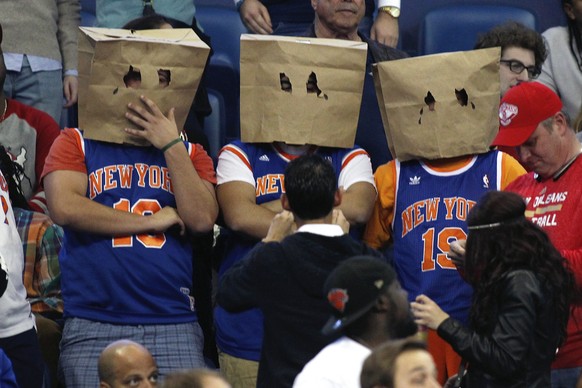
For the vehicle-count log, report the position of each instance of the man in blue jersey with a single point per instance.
(424, 196)
(126, 262)
(250, 184)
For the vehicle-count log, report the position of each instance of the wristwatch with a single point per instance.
(392, 11)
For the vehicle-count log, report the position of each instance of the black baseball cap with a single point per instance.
(353, 288)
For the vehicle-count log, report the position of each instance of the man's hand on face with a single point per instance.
(338, 218)
(158, 129)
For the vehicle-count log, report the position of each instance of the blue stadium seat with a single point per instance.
(456, 27)
(88, 13)
(224, 27)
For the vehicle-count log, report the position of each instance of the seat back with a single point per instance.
(224, 27)
(457, 27)
(88, 13)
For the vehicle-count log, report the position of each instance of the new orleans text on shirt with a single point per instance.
(545, 208)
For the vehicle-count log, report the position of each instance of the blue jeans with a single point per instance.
(42, 89)
(565, 377)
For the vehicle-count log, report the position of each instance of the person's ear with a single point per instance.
(337, 197)
(560, 123)
(103, 384)
(314, 4)
(285, 202)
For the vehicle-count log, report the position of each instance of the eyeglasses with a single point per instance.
(517, 67)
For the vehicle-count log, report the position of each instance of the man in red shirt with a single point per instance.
(532, 120)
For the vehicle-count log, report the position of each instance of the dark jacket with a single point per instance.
(285, 280)
(522, 341)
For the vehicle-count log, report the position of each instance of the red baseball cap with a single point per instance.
(522, 109)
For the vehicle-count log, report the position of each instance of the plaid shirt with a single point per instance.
(41, 241)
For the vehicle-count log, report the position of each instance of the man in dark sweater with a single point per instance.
(284, 275)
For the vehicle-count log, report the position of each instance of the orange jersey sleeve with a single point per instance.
(510, 170)
(379, 227)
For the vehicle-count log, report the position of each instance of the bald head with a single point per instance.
(126, 363)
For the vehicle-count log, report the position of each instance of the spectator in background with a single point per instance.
(330, 22)
(18, 337)
(562, 70)
(522, 293)
(126, 363)
(293, 17)
(399, 364)
(116, 13)
(40, 51)
(368, 308)
(27, 134)
(41, 242)
(522, 52)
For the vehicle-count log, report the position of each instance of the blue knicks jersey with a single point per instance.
(139, 279)
(430, 212)
(241, 334)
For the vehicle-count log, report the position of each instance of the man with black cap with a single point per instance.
(369, 308)
(284, 275)
(531, 119)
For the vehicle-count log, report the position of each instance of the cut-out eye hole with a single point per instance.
(285, 83)
(430, 101)
(462, 97)
(132, 79)
(165, 77)
(312, 87)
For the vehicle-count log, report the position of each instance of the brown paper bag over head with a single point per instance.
(117, 66)
(440, 106)
(301, 90)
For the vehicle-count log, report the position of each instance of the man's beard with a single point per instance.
(402, 327)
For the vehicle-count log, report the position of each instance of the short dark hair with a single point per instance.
(310, 186)
(153, 22)
(379, 368)
(514, 34)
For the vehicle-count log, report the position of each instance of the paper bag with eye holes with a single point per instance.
(439, 106)
(301, 90)
(117, 66)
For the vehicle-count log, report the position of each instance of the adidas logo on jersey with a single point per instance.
(415, 180)
(264, 158)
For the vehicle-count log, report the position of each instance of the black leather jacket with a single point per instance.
(522, 344)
